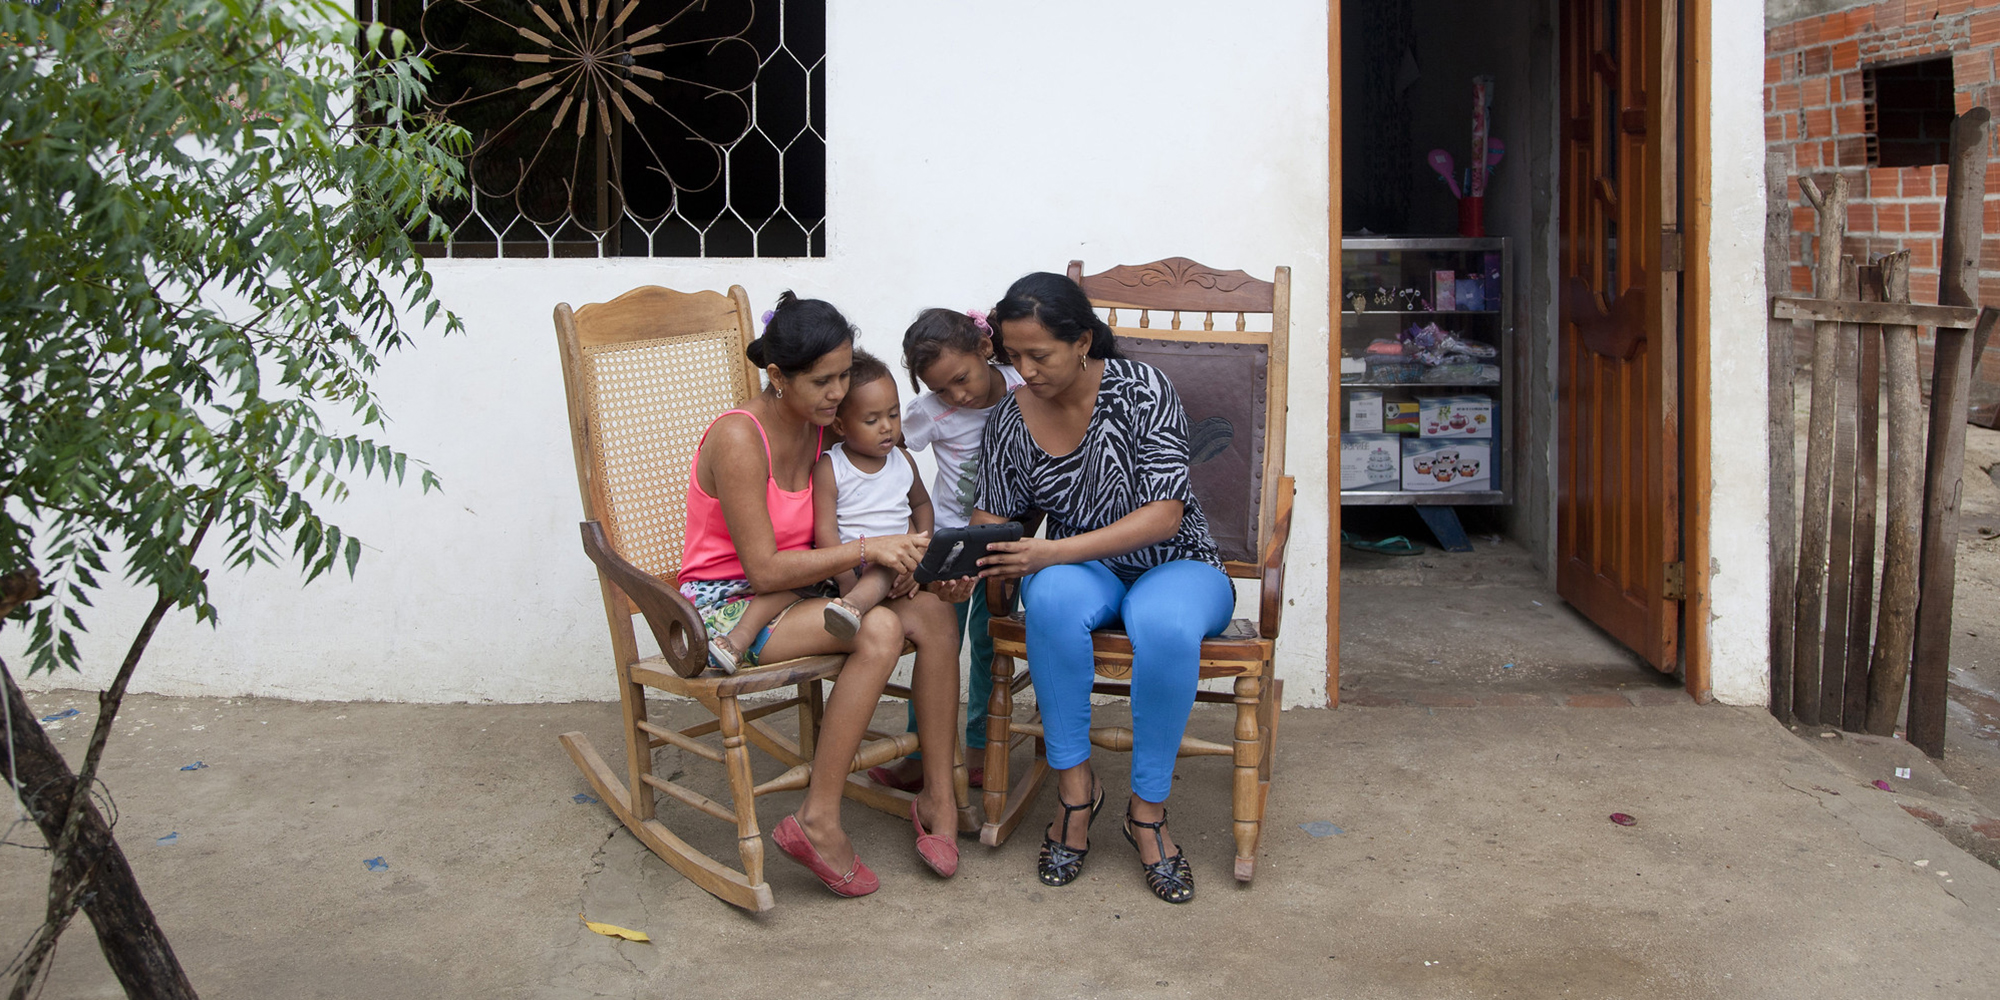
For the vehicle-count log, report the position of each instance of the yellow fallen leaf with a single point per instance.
(613, 930)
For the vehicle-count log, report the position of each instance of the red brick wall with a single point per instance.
(1813, 109)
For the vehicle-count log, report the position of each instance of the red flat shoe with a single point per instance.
(937, 850)
(976, 777)
(887, 779)
(791, 839)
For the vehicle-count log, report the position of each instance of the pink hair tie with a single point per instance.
(979, 320)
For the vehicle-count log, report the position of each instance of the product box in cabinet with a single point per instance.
(1431, 465)
(1467, 416)
(1368, 461)
(1364, 411)
(1400, 417)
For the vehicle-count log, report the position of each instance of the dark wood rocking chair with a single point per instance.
(1232, 382)
(645, 374)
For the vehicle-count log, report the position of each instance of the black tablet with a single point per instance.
(955, 552)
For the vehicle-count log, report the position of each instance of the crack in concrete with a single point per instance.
(1862, 836)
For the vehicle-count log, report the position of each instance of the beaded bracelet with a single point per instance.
(863, 568)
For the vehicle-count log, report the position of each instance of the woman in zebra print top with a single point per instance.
(1100, 444)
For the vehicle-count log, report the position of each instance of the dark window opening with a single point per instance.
(636, 128)
(1909, 108)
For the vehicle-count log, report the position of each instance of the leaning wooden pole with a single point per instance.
(1861, 599)
(1944, 462)
(1813, 521)
(1840, 521)
(1779, 334)
(1896, 614)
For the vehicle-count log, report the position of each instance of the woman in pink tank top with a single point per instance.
(749, 532)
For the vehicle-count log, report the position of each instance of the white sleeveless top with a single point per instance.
(876, 503)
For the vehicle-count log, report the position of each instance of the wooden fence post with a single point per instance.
(1840, 520)
(1889, 667)
(1832, 229)
(1867, 428)
(1779, 334)
(1951, 380)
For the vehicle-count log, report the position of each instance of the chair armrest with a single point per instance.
(999, 594)
(1271, 610)
(675, 623)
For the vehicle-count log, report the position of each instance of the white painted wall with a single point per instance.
(1739, 534)
(968, 144)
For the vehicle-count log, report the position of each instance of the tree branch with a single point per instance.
(71, 875)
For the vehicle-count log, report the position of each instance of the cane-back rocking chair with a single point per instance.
(1232, 383)
(645, 374)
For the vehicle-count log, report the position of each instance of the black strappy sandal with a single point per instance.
(1060, 863)
(1170, 878)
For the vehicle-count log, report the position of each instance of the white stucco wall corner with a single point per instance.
(1738, 528)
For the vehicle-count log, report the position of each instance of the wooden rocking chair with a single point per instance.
(645, 374)
(1232, 383)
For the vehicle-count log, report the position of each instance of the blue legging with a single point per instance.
(1167, 611)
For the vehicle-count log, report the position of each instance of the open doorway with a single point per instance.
(1519, 434)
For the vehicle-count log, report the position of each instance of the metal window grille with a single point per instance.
(629, 128)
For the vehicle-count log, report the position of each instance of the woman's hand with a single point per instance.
(1011, 560)
(900, 554)
(954, 591)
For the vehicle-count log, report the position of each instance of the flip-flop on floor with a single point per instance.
(1394, 545)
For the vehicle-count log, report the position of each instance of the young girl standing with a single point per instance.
(951, 354)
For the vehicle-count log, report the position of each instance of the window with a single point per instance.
(1908, 110)
(635, 128)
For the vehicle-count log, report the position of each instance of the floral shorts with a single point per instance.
(722, 604)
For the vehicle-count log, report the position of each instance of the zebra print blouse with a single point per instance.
(1134, 452)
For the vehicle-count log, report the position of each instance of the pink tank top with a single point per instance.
(707, 551)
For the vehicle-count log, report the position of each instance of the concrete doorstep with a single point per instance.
(1451, 852)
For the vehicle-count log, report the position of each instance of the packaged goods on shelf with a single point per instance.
(1467, 416)
(1369, 461)
(1364, 411)
(1394, 369)
(1432, 465)
(1399, 417)
(1444, 291)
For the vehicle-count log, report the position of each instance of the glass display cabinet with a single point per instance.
(1426, 359)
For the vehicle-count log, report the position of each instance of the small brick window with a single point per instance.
(1909, 108)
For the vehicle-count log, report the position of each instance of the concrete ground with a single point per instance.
(1474, 857)
(1455, 629)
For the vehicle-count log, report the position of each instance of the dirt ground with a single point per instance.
(1411, 852)
(1972, 734)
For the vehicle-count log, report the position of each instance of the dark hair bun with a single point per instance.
(798, 334)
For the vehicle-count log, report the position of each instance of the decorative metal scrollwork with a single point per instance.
(594, 121)
(559, 109)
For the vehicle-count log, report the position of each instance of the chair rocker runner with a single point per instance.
(1237, 446)
(644, 375)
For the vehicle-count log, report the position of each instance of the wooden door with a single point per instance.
(1618, 407)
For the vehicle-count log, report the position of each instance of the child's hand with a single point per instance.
(954, 591)
(904, 586)
(900, 554)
